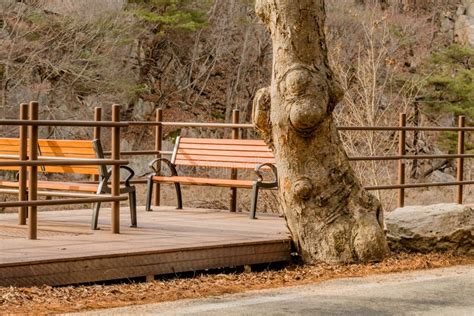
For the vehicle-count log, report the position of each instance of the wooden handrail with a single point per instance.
(35, 203)
(63, 123)
(398, 157)
(34, 160)
(341, 128)
(417, 185)
(61, 162)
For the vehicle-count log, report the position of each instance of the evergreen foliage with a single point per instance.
(171, 14)
(450, 88)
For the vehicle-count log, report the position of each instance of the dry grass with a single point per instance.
(43, 300)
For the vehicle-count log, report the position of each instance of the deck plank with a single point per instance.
(167, 241)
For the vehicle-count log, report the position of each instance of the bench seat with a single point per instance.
(229, 183)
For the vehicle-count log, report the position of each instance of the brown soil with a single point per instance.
(46, 299)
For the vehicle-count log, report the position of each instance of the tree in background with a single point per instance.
(449, 87)
(330, 216)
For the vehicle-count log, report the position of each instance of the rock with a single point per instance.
(439, 176)
(441, 227)
(460, 10)
(466, 3)
(470, 10)
(82, 7)
(464, 30)
(447, 26)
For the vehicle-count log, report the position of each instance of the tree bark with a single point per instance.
(330, 216)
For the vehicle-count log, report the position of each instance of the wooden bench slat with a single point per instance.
(9, 142)
(245, 184)
(9, 147)
(249, 142)
(251, 160)
(8, 152)
(215, 164)
(226, 153)
(225, 147)
(86, 170)
(53, 185)
(57, 154)
(65, 143)
(13, 168)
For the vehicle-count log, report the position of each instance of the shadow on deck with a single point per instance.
(166, 241)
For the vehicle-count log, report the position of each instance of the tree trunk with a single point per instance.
(330, 216)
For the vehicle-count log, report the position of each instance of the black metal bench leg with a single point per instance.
(149, 194)
(95, 216)
(253, 206)
(132, 196)
(179, 197)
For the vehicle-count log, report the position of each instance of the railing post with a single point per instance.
(460, 160)
(233, 174)
(158, 147)
(115, 169)
(33, 174)
(97, 131)
(401, 162)
(23, 155)
(97, 118)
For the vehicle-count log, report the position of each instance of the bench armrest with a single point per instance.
(170, 165)
(131, 174)
(260, 179)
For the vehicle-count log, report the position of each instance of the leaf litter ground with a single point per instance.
(46, 299)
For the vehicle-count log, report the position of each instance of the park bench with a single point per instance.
(85, 149)
(215, 153)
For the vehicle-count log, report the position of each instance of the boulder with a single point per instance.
(470, 10)
(464, 30)
(439, 176)
(441, 227)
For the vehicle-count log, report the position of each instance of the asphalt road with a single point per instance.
(448, 291)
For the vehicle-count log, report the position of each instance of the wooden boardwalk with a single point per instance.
(167, 241)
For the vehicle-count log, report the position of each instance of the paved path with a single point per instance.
(448, 291)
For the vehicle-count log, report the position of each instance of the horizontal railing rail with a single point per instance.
(62, 162)
(409, 157)
(98, 199)
(63, 123)
(417, 185)
(341, 128)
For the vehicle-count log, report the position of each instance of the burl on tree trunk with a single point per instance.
(330, 216)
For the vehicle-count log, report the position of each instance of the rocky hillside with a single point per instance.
(200, 59)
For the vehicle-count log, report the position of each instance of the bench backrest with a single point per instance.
(57, 148)
(221, 153)
(9, 146)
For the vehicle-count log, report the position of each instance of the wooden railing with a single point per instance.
(28, 161)
(29, 124)
(402, 129)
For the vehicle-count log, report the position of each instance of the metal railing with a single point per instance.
(28, 161)
(402, 156)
